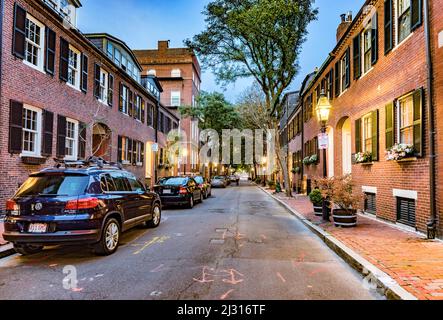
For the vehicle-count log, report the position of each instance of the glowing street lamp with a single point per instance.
(185, 155)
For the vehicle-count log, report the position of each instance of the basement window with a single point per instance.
(370, 203)
(406, 211)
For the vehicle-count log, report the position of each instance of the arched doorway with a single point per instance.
(101, 141)
(330, 157)
(346, 147)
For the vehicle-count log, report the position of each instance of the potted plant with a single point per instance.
(307, 161)
(296, 170)
(316, 198)
(399, 152)
(313, 159)
(363, 157)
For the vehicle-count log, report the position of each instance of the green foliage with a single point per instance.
(316, 196)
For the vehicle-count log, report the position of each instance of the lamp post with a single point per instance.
(264, 162)
(323, 112)
(185, 156)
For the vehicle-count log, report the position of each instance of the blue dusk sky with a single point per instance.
(141, 23)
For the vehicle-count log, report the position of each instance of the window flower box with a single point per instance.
(401, 152)
(35, 161)
(364, 158)
(310, 160)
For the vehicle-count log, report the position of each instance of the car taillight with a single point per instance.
(183, 190)
(11, 205)
(82, 204)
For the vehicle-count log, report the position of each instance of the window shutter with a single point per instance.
(134, 106)
(142, 150)
(358, 136)
(375, 145)
(331, 84)
(19, 36)
(143, 111)
(16, 127)
(418, 122)
(64, 59)
(110, 89)
(96, 81)
(134, 152)
(131, 104)
(374, 39)
(357, 56)
(82, 141)
(84, 78)
(416, 14)
(406, 212)
(130, 151)
(120, 149)
(61, 136)
(389, 111)
(348, 67)
(337, 79)
(120, 103)
(317, 150)
(50, 51)
(388, 26)
(48, 128)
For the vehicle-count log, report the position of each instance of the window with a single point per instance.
(117, 57)
(71, 139)
(135, 185)
(407, 120)
(176, 73)
(150, 116)
(124, 62)
(370, 203)
(404, 19)
(367, 41)
(103, 94)
(138, 108)
(74, 68)
(367, 133)
(125, 100)
(139, 150)
(32, 133)
(406, 211)
(126, 150)
(175, 98)
(120, 181)
(110, 50)
(343, 73)
(34, 43)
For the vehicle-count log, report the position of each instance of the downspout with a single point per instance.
(302, 171)
(432, 224)
(2, 4)
(157, 112)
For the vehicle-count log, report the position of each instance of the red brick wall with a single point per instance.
(400, 72)
(25, 84)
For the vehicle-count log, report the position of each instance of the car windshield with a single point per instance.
(199, 180)
(219, 178)
(173, 181)
(54, 185)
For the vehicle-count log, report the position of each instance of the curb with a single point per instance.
(6, 251)
(389, 287)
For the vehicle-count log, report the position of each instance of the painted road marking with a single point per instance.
(281, 277)
(150, 243)
(225, 296)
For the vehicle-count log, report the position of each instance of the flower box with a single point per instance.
(400, 152)
(408, 159)
(363, 158)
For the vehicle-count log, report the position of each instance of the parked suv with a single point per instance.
(89, 202)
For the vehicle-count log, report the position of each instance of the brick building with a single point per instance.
(63, 97)
(179, 73)
(377, 81)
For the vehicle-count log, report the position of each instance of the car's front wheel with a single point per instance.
(27, 250)
(191, 202)
(110, 238)
(156, 217)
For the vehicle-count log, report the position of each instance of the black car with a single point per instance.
(79, 203)
(179, 191)
(204, 185)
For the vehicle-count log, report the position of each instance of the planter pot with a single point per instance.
(345, 219)
(318, 209)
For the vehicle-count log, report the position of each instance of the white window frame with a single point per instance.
(104, 86)
(342, 74)
(174, 96)
(397, 26)
(398, 115)
(138, 154)
(77, 71)
(125, 151)
(74, 156)
(367, 31)
(38, 133)
(40, 47)
(125, 95)
(109, 45)
(364, 132)
(138, 108)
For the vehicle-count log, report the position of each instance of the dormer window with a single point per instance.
(176, 73)
(64, 8)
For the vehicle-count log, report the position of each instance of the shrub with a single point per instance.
(316, 196)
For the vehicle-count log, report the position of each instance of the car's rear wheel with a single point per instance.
(156, 217)
(110, 238)
(201, 197)
(191, 202)
(27, 250)
(205, 194)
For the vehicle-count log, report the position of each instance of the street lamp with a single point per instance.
(185, 155)
(323, 112)
(264, 162)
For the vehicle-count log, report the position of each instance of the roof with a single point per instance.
(76, 3)
(116, 40)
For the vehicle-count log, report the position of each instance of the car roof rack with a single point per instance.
(90, 163)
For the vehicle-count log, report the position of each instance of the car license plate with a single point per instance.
(167, 191)
(38, 228)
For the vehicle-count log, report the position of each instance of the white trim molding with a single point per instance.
(408, 194)
(366, 189)
(440, 39)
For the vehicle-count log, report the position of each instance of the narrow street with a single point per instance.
(240, 244)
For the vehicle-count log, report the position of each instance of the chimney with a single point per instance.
(163, 45)
(346, 20)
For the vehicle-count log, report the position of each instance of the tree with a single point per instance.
(260, 39)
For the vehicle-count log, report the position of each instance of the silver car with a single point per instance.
(218, 182)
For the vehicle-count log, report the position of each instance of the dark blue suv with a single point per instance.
(86, 202)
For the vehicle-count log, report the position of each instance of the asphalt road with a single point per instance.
(240, 244)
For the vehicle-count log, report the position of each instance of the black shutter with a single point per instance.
(348, 68)
(134, 152)
(119, 149)
(358, 136)
(357, 56)
(389, 114)
(331, 84)
(96, 81)
(50, 51)
(143, 111)
(416, 14)
(19, 32)
(64, 59)
(418, 122)
(84, 77)
(388, 26)
(48, 129)
(120, 100)
(16, 127)
(131, 104)
(375, 130)
(129, 151)
(337, 79)
(82, 141)
(374, 39)
(61, 136)
(406, 211)
(110, 89)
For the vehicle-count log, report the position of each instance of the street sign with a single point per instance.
(323, 141)
(154, 147)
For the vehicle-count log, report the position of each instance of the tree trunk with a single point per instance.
(282, 160)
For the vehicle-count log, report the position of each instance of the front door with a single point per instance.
(347, 147)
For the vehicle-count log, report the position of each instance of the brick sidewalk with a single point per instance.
(415, 263)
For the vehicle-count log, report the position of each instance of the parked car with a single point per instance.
(204, 186)
(87, 202)
(219, 182)
(179, 191)
(234, 179)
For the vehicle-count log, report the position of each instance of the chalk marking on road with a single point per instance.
(158, 269)
(204, 275)
(150, 243)
(233, 273)
(77, 289)
(156, 293)
(281, 277)
(99, 275)
(211, 275)
(299, 260)
(225, 295)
